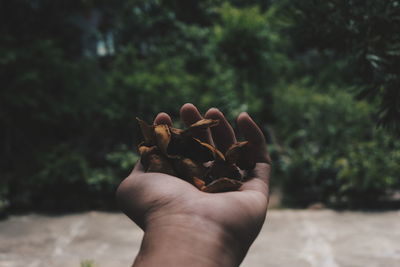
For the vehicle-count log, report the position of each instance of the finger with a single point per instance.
(222, 134)
(190, 115)
(257, 147)
(258, 178)
(163, 118)
(138, 168)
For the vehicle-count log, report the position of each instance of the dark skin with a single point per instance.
(183, 225)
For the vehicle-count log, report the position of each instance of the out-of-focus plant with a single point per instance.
(362, 33)
(247, 40)
(332, 151)
(67, 116)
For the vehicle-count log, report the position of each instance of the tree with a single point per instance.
(363, 33)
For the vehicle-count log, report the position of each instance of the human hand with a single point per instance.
(186, 226)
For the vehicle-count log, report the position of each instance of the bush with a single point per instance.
(66, 180)
(67, 118)
(332, 152)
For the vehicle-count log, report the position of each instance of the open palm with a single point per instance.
(149, 197)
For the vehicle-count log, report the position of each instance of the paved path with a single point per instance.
(289, 238)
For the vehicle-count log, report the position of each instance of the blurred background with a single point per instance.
(322, 78)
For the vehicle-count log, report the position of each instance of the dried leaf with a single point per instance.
(176, 152)
(144, 148)
(187, 168)
(233, 153)
(159, 163)
(217, 155)
(200, 184)
(189, 147)
(222, 185)
(223, 169)
(147, 130)
(145, 152)
(241, 155)
(163, 137)
(176, 131)
(177, 145)
(246, 161)
(203, 124)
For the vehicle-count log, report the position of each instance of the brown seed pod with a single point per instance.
(145, 151)
(189, 147)
(240, 154)
(223, 169)
(176, 131)
(203, 124)
(187, 169)
(222, 185)
(217, 155)
(147, 130)
(153, 161)
(177, 152)
(233, 153)
(163, 137)
(145, 148)
(197, 182)
(159, 163)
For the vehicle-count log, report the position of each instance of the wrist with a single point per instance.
(183, 240)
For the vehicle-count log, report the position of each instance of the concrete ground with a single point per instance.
(322, 238)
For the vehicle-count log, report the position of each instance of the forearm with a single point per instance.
(188, 242)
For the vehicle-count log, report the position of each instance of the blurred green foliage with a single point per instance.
(365, 34)
(330, 150)
(316, 76)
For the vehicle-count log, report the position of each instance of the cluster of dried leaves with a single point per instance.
(177, 152)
